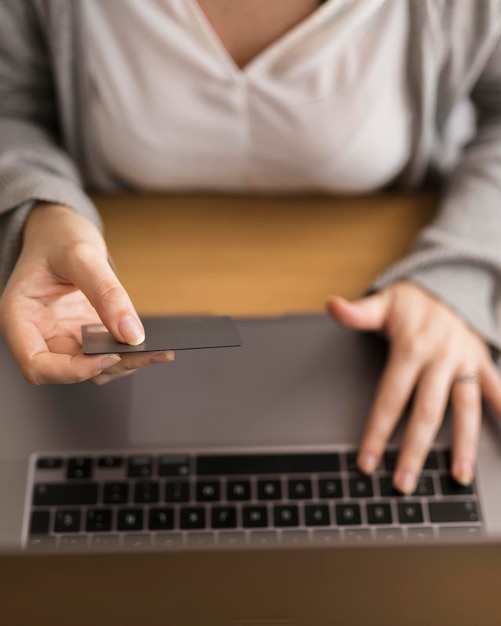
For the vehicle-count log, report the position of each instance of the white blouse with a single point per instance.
(323, 108)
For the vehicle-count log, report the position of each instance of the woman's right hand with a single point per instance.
(61, 281)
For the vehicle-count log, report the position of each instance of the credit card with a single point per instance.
(167, 333)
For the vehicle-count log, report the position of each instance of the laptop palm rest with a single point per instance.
(296, 380)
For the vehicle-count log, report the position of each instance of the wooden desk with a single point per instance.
(241, 255)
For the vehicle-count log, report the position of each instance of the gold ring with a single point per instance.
(471, 377)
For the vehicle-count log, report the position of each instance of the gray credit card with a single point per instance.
(167, 333)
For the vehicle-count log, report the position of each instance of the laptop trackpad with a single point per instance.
(296, 380)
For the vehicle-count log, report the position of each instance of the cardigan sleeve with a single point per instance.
(33, 165)
(457, 258)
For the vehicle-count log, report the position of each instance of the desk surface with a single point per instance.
(246, 255)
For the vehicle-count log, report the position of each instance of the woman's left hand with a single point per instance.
(434, 352)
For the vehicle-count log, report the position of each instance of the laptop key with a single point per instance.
(387, 489)
(168, 540)
(461, 532)
(104, 541)
(285, 515)
(49, 462)
(348, 514)
(140, 466)
(40, 522)
(424, 487)
(231, 539)
(177, 491)
(192, 518)
(410, 513)
(137, 541)
(79, 467)
(146, 492)
(110, 461)
(317, 515)
(224, 517)
(208, 491)
(116, 493)
(431, 462)
(448, 512)
(98, 520)
(200, 539)
(452, 488)
(295, 537)
(423, 533)
(379, 513)
(389, 534)
(269, 490)
(390, 458)
(357, 535)
(215, 465)
(263, 537)
(255, 516)
(330, 488)
(54, 494)
(129, 519)
(73, 542)
(327, 536)
(361, 487)
(448, 459)
(351, 461)
(173, 465)
(238, 490)
(161, 518)
(67, 521)
(41, 542)
(300, 489)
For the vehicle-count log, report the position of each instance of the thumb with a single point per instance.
(90, 271)
(368, 313)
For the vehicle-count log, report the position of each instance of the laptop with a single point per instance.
(382, 585)
(249, 447)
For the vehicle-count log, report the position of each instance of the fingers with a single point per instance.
(40, 366)
(365, 314)
(94, 276)
(432, 351)
(426, 417)
(394, 389)
(466, 397)
(62, 280)
(131, 363)
(435, 385)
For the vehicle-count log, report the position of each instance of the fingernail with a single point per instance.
(367, 463)
(111, 359)
(405, 482)
(162, 357)
(131, 330)
(463, 472)
(334, 297)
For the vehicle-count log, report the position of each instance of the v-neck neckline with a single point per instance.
(272, 49)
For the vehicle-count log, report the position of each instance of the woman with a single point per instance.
(345, 97)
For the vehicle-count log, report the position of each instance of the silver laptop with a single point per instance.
(250, 447)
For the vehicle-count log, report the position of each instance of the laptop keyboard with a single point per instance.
(177, 500)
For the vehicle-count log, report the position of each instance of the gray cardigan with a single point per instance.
(454, 59)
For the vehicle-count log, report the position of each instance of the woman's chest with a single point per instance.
(247, 27)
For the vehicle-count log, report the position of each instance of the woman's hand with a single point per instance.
(435, 353)
(62, 280)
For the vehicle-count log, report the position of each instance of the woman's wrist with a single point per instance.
(60, 224)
